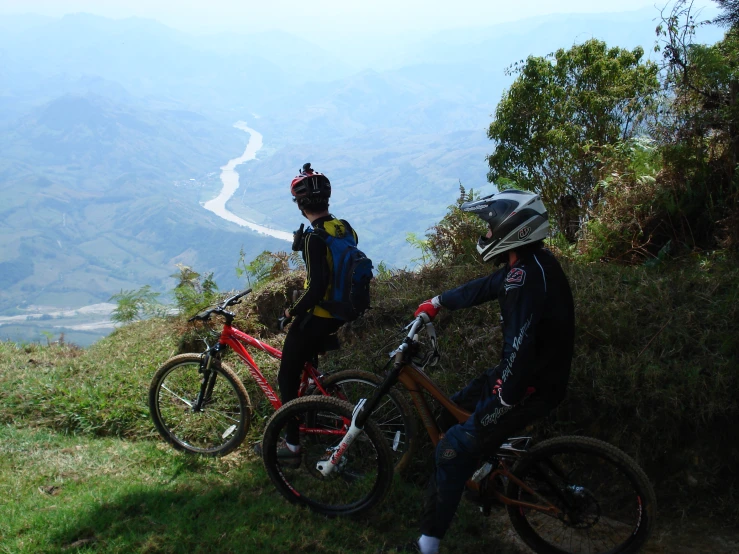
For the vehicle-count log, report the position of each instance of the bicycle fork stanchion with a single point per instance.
(209, 377)
(361, 413)
(326, 467)
(208, 381)
(363, 410)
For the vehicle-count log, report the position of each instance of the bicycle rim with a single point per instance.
(363, 475)
(393, 415)
(221, 423)
(605, 502)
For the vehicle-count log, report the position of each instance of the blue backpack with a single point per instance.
(351, 274)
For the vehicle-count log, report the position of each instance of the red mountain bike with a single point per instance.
(199, 403)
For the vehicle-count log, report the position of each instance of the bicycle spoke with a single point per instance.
(353, 484)
(177, 396)
(394, 419)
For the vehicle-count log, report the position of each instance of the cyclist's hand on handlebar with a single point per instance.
(430, 307)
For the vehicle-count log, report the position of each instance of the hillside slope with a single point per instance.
(654, 369)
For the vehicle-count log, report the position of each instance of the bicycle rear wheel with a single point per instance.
(364, 473)
(605, 501)
(222, 421)
(393, 415)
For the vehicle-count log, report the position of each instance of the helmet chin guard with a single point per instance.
(515, 218)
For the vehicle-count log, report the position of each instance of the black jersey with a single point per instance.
(538, 325)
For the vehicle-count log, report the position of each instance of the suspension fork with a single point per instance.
(361, 413)
(209, 376)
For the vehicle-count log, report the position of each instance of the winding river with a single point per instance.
(230, 179)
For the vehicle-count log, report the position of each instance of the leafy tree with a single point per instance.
(699, 129)
(730, 17)
(135, 304)
(49, 335)
(559, 112)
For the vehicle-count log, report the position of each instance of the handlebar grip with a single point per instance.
(234, 299)
(199, 317)
(247, 291)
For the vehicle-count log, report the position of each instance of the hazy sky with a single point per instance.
(305, 17)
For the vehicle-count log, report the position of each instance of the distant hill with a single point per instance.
(97, 196)
(93, 132)
(146, 57)
(112, 132)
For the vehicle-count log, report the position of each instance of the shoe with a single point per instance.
(288, 458)
(285, 456)
(480, 495)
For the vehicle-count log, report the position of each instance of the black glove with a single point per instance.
(298, 239)
(283, 322)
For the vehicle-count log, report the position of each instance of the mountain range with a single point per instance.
(112, 133)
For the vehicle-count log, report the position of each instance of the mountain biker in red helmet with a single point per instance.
(531, 377)
(313, 327)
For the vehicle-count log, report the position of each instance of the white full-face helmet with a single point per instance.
(516, 218)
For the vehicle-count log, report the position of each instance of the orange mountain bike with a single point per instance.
(199, 404)
(567, 494)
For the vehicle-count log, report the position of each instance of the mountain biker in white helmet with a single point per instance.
(538, 336)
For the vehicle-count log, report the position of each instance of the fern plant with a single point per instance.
(136, 304)
(193, 292)
(455, 237)
(267, 266)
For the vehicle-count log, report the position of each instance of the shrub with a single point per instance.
(193, 292)
(454, 238)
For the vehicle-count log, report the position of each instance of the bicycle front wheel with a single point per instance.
(363, 475)
(599, 499)
(221, 422)
(393, 414)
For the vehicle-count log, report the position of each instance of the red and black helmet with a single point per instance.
(309, 183)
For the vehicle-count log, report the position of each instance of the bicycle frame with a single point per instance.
(238, 341)
(415, 381)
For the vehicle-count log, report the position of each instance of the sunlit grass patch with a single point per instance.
(62, 493)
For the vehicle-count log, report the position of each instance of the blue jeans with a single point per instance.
(459, 453)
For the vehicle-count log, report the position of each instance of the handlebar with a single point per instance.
(415, 326)
(220, 309)
(401, 355)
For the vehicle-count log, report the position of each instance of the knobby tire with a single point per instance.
(368, 462)
(584, 474)
(224, 420)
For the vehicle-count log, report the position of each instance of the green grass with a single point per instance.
(65, 493)
(655, 372)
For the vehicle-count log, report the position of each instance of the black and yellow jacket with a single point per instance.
(318, 265)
